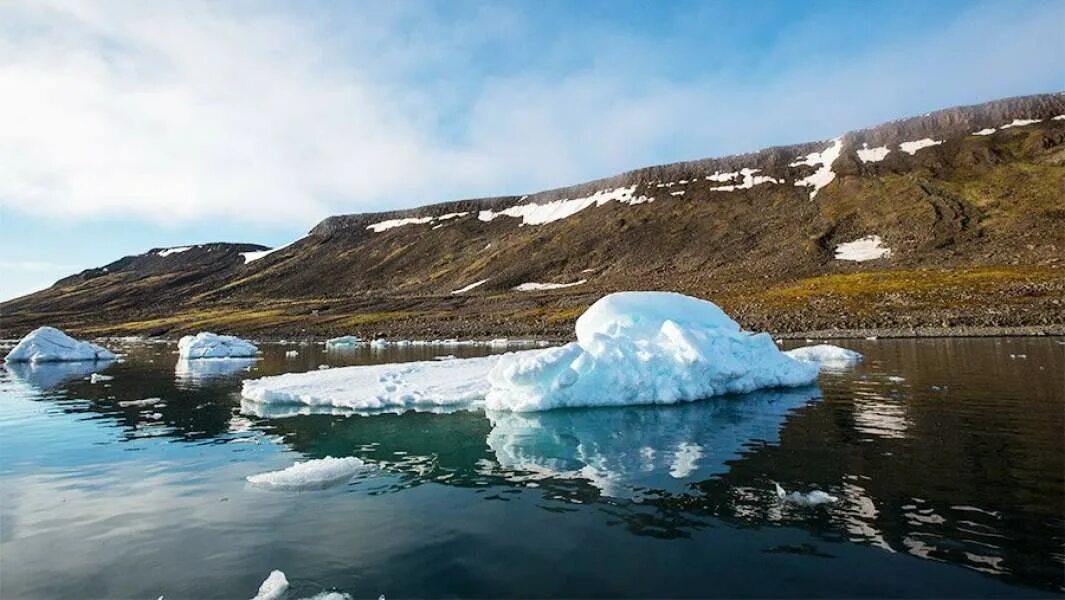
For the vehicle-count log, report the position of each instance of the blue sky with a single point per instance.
(128, 125)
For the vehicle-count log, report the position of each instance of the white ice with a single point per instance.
(475, 284)
(826, 354)
(862, 249)
(315, 474)
(814, 498)
(823, 160)
(911, 148)
(644, 348)
(97, 378)
(292, 353)
(256, 255)
(872, 155)
(140, 403)
(209, 345)
(986, 131)
(343, 341)
(48, 344)
(273, 588)
(632, 348)
(536, 287)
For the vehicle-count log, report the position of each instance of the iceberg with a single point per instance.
(316, 474)
(826, 355)
(48, 344)
(273, 588)
(209, 345)
(814, 498)
(645, 348)
(631, 348)
(343, 341)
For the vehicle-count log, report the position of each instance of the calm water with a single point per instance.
(947, 456)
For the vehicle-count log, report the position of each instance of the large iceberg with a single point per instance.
(48, 344)
(210, 345)
(645, 348)
(631, 348)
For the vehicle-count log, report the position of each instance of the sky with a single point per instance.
(131, 125)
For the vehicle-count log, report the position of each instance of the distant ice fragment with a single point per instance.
(97, 378)
(273, 588)
(814, 498)
(826, 354)
(209, 345)
(313, 474)
(48, 344)
(144, 402)
(343, 341)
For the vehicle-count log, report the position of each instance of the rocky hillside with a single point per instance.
(954, 220)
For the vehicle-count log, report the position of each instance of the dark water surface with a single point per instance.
(947, 457)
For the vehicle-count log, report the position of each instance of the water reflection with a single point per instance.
(629, 452)
(51, 375)
(193, 373)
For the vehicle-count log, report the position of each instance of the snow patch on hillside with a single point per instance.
(548, 212)
(256, 255)
(177, 250)
(911, 148)
(867, 248)
(475, 284)
(872, 155)
(1021, 123)
(986, 131)
(535, 287)
(823, 160)
(749, 180)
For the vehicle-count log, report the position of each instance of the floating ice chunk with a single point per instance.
(97, 378)
(644, 348)
(330, 596)
(342, 341)
(535, 287)
(379, 343)
(169, 251)
(144, 402)
(869, 247)
(273, 588)
(475, 284)
(209, 345)
(872, 155)
(1020, 123)
(377, 387)
(987, 131)
(826, 354)
(48, 344)
(814, 498)
(823, 160)
(315, 474)
(911, 148)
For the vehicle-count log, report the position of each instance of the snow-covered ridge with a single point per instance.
(862, 249)
(177, 250)
(539, 214)
(823, 161)
(911, 148)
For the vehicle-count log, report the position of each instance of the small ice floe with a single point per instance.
(144, 402)
(814, 498)
(343, 341)
(209, 345)
(379, 344)
(315, 474)
(826, 355)
(292, 354)
(273, 588)
(97, 378)
(48, 344)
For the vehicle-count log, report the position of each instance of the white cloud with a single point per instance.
(190, 111)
